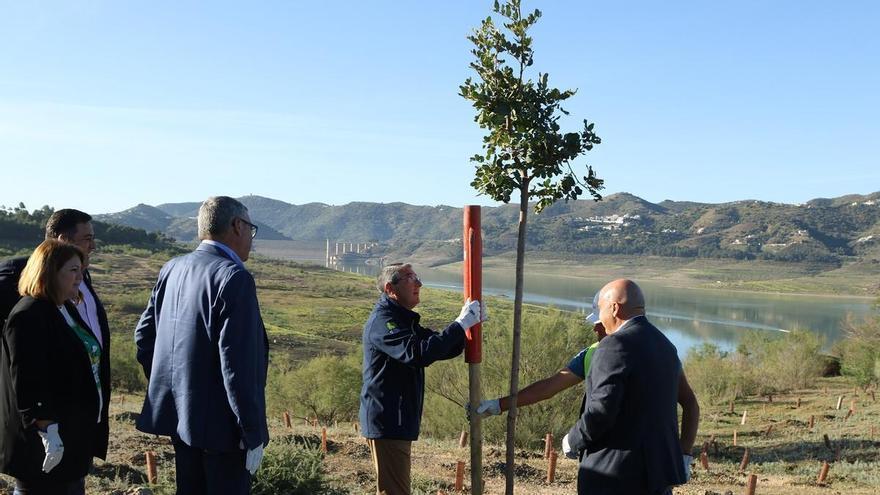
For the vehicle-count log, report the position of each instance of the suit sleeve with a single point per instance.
(418, 346)
(240, 341)
(26, 333)
(10, 272)
(608, 374)
(145, 331)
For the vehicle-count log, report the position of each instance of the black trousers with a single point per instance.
(23, 487)
(204, 472)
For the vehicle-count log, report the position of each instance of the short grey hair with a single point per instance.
(216, 215)
(390, 274)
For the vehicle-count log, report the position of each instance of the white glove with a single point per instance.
(53, 445)
(253, 459)
(485, 408)
(688, 460)
(489, 408)
(566, 448)
(470, 314)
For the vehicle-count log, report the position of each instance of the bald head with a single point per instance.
(619, 301)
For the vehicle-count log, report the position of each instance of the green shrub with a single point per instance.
(550, 338)
(125, 372)
(325, 387)
(860, 350)
(763, 364)
(712, 373)
(291, 469)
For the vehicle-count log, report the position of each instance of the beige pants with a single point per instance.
(391, 461)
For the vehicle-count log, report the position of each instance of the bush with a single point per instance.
(125, 372)
(291, 469)
(550, 338)
(860, 350)
(763, 364)
(712, 374)
(325, 387)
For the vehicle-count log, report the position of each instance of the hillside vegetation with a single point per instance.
(829, 231)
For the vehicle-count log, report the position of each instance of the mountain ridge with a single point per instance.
(822, 229)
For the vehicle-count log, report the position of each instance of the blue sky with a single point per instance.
(106, 104)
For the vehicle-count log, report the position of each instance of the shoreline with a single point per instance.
(674, 278)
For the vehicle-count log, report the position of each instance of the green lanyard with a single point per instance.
(93, 349)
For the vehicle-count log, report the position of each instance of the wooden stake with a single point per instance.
(324, 440)
(798, 402)
(548, 445)
(872, 397)
(462, 440)
(734, 438)
(753, 482)
(812, 421)
(356, 427)
(731, 407)
(745, 413)
(551, 467)
(704, 460)
(848, 414)
(823, 473)
(459, 476)
(287, 419)
(745, 461)
(769, 429)
(839, 402)
(827, 441)
(151, 468)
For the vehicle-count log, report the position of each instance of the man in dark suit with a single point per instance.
(73, 227)
(627, 437)
(204, 350)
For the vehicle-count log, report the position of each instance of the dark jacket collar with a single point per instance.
(635, 320)
(403, 315)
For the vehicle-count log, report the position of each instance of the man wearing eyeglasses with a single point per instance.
(396, 351)
(204, 351)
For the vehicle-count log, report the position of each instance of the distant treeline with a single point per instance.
(21, 229)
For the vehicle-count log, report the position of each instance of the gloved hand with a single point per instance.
(470, 314)
(253, 459)
(688, 460)
(566, 448)
(53, 445)
(486, 408)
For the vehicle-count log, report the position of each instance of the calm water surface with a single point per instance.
(688, 317)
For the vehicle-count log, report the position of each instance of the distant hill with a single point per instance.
(824, 230)
(176, 220)
(21, 230)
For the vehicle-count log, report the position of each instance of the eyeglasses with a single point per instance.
(253, 227)
(410, 276)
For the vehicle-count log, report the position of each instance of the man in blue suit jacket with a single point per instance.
(627, 436)
(204, 350)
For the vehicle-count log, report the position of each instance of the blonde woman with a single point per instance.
(51, 399)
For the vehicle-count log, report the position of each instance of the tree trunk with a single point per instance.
(517, 327)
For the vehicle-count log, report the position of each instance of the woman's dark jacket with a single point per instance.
(45, 373)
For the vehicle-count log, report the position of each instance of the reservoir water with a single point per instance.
(688, 317)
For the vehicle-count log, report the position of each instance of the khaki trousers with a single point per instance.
(391, 462)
